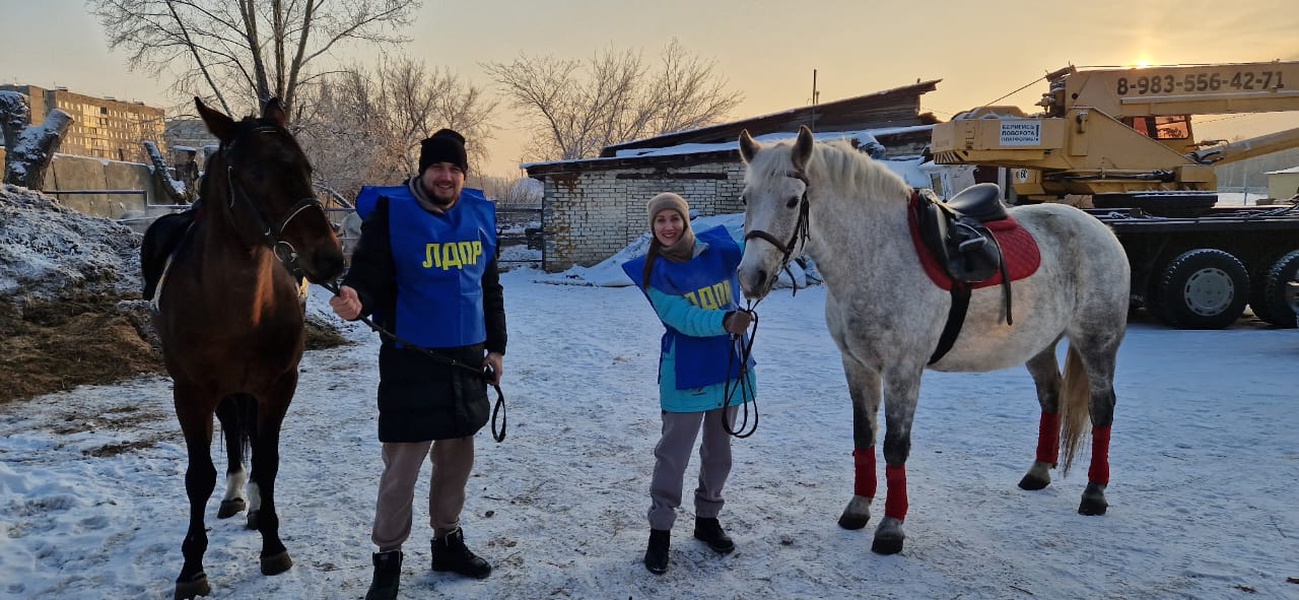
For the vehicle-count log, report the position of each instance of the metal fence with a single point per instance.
(83, 192)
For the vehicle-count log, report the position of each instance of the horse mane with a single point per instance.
(840, 166)
(836, 165)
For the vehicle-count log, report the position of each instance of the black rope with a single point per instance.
(498, 407)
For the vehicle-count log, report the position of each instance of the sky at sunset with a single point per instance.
(767, 50)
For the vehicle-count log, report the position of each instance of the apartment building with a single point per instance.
(102, 127)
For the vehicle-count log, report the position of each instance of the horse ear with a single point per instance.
(222, 126)
(274, 110)
(802, 148)
(748, 146)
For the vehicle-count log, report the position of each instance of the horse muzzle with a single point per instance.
(757, 276)
(323, 264)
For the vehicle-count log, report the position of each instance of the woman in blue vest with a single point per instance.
(692, 286)
(425, 268)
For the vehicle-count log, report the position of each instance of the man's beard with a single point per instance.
(442, 196)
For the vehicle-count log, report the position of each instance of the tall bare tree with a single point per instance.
(579, 107)
(366, 125)
(245, 51)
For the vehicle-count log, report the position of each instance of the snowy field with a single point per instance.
(1204, 499)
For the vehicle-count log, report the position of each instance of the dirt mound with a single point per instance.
(53, 346)
(70, 307)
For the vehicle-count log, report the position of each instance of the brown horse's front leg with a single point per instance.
(265, 466)
(195, 417)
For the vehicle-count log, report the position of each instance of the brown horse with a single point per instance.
(230, 316)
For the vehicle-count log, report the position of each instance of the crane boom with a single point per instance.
(1122, 130)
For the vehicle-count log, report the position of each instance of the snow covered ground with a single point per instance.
(1203, 499)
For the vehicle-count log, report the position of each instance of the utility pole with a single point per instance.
(815, 96)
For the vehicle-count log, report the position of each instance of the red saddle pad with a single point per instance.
(1018, 250)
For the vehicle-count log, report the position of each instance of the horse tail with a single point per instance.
(1075, 407)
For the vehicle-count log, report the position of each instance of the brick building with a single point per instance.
(102, 127)
(592, 208)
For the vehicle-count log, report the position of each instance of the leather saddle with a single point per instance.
(954, 231)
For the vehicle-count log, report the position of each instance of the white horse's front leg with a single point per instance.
(901, 392)
(864, 387)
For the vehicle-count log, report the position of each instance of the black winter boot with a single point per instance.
(451, 554)
(656, 556)
(710, 531)
(387, 572)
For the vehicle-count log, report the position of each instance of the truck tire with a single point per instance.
(1205, 288)
(1268, 295)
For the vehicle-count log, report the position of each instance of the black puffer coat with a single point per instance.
(421, 398)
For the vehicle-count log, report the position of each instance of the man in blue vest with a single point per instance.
(425, 270)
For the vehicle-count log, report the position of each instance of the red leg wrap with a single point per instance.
(895, 503)
(1100, 469)
(1048, 438)
(864, 478)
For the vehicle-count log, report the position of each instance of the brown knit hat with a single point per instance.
(684, 248)
(665, 201)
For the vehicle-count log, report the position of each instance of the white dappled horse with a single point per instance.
(887, 316)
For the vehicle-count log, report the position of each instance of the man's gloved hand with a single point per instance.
(737, 321)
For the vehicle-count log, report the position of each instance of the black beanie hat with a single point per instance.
(444, 146)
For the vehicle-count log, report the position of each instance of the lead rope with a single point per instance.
(497, 409)
(742, 350)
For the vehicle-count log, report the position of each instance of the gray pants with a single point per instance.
(671, 456)
(452, 459)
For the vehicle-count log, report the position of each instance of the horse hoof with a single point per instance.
(854, 522)
(274, 565)
(1032, 483)
(886, 545)
(196, 586)
(230, 508)
(888, 536)
(1093, 501)
(252, 520)
(856, 514)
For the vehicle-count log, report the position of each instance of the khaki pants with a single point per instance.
(452, 461)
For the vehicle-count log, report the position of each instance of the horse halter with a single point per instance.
(799, 238)
(273, 234)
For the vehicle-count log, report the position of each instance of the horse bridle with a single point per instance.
(273, 234)
(799, 238)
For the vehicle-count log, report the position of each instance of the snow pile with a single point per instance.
(49, 252)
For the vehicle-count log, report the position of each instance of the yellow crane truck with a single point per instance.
(1124, 138)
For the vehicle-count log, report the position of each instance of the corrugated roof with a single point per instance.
(897, 107)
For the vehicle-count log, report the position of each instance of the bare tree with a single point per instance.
(512, 191)
(245, 49)
(365, 126)
(578, 107)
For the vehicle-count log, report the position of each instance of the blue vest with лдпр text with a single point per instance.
(440, 262)
(708, 281)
